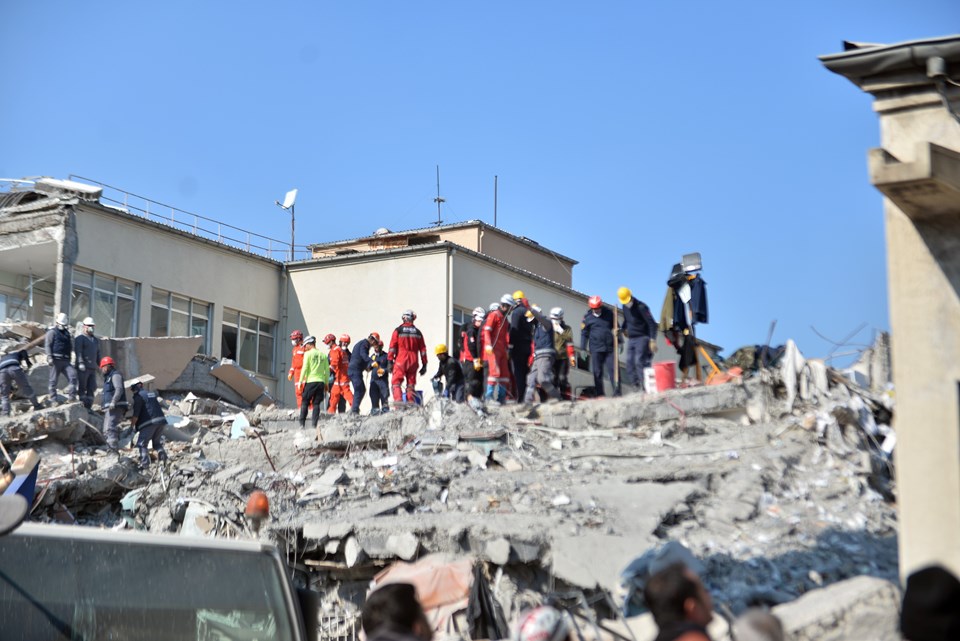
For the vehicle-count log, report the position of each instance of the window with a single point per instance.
(13, 307)
(249, 341)
(110, 301)
(175, 315)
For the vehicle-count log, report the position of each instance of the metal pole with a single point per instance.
(495, 201)
(292, 224)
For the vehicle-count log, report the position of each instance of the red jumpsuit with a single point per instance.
(296, 364)
(340, 382)
(495, 333)
(405, 344)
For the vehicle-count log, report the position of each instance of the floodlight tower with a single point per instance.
(288, 203)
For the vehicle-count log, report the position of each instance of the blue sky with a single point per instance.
(624, 134)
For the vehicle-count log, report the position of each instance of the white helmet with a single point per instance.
(556, 313)
(479, 312)
(310, 340)
(408, 315)
(494, 306)
(88, 321)
(507, 299)
(62, 319)
(543, 623)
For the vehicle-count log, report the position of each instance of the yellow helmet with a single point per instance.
(440, 349)
(517, 295)
(624, 295)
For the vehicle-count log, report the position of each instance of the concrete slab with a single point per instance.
(245, 383)
(164, 358)
(590, 560)
(859, 609)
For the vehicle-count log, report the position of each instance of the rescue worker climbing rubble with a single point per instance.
(12, 371)
(360, 363)
(405, 344)
(149, 422)
(641, 332)
(544, 353)
(296, 363)
(58, 346)
(313, 379)
(379, 381)
(495, 340)
(114, 401)
(596, 333)
(450, 372)
(471, 354)
(339, 364)
(565, 353)
(519, 344)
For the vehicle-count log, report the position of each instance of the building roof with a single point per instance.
(444, 245)
(384, 233)
(860, 61)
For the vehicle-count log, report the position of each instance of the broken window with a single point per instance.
(13, 307)
(249, 341)
(175, 315)
(110, 301)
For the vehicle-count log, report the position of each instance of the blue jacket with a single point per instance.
(596, 332)
(113, 391)
(638, 321)
(543, 343)
(58, 343)
(146, 409)
(382, 363)
(360, 357)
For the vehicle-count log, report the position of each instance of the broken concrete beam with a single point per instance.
(62, 423)
(590, 560)
(352, 551)
(196, 378)
(244, 382)
(497, 551)
(860, 608)
(164, 358)
(404, 546)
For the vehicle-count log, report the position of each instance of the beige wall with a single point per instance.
(153, 257)
(525, 257)
(924, 288)
(366, 294)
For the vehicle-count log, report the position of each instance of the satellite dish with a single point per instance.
(289, 199)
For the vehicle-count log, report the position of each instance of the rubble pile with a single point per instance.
(781, 484)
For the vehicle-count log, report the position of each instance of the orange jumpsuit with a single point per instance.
(340, 382)
(495, 333)
(296, 364)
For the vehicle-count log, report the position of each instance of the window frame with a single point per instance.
(246, 326)
(190, 313)
(92, 282)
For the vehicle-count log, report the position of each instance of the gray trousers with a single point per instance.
(14, 375)
(541, 373)
(638, 358)
(88, 385)
(111, 426)
(62, 366)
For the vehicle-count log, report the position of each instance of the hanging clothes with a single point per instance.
(698, 300)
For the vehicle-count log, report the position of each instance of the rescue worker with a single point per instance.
(641, 332)
(296, 363)
(566, 354)
(149, 421)
(87, 348)
(544, 354)
(451, 372)
(379, 381)
(314, 376)
(596, 334)
(58, 346)
(496, 332)
(405, 345)
(360, 364)
(114, 401)
(521, 338)
(11, 371)
(471, 354)
(339, 363)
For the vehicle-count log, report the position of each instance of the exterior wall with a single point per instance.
(925, 321)
(128, 248)
(368, 294)
(520, 255)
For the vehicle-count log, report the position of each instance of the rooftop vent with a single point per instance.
(382, 232)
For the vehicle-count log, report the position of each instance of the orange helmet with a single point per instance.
(296, 335)
(376, 338)
(106, 360)
(345, 338)
(594, 302)
(329, 339)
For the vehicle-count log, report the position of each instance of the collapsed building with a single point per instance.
(780, 484)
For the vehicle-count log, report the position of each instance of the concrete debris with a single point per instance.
(778, 493)
(245, 383)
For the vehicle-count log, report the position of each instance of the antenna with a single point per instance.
(495, 201)
(438, 199)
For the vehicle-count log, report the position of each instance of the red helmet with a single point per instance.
(345, 338)
(329, 339)
(594, 302)
(375, 336)
(106, 360)
(296, 335)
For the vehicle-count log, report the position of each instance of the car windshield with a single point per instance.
(78, 589)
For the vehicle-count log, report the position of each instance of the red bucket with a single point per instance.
(666, 374)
